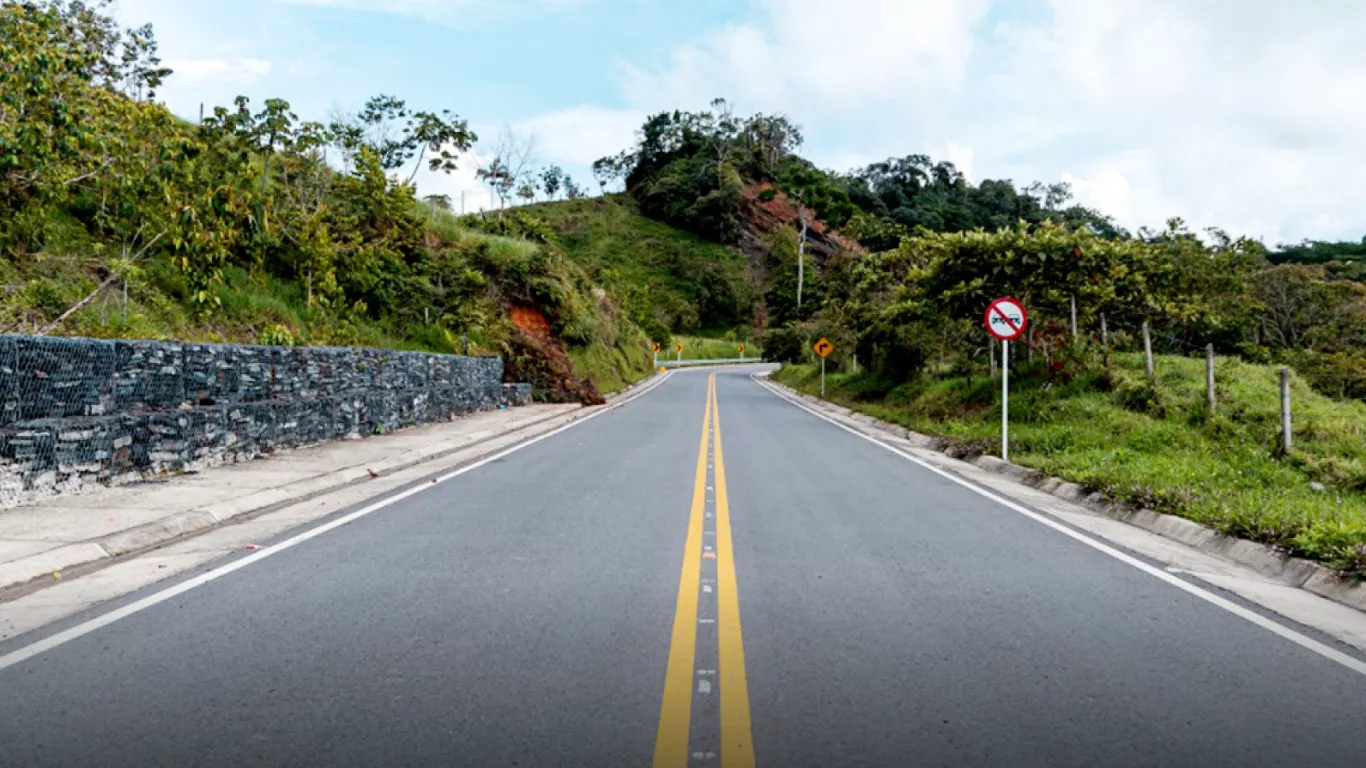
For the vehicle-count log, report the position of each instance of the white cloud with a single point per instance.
(1242, 114)
(219, 70)
(807, 57)
(1227, 113)
(810, 59)
(583, 134)
(456, 13)
(961, 157)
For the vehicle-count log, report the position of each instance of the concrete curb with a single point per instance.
(160, 532)
(1291, 571)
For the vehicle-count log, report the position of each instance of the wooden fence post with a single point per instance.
(1209, 375)
(1104, 341)
(1286, 441)
(1148, 351)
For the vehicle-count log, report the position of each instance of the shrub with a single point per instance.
(277, 336)
(783, 345)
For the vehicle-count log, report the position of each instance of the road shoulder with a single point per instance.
(243, 510)
(1278, 585)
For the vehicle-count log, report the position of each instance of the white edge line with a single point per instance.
(53, 641)
(1304, 641)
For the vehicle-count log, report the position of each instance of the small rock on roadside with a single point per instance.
(1318, 487)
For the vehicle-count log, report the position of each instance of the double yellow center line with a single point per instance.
(680, 681)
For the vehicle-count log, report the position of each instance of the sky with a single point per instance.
(1241, 114)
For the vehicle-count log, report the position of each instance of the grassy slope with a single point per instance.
(1101, 432)
(702, 348)
(44, 286)
(621, 248)
(612, 369)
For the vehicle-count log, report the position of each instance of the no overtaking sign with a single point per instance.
(1006, 319)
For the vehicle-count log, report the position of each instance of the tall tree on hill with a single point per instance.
(514, 155)
(141, 65)
(397, 134)
(572, 191)
(552, 180)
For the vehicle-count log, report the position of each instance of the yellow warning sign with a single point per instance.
(824, 347)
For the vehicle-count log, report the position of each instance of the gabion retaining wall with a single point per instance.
(77, 412)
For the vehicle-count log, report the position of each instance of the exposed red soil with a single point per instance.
(781, 211)
(537, 356)
(531, 321)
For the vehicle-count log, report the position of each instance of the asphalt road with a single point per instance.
(839, 606)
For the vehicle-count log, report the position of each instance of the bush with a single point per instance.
(783, 345)
(277, 336)
(1135, 393)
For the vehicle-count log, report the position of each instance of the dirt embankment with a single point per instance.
(537, 355)
(760, 217)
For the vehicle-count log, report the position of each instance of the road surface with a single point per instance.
(708, 575)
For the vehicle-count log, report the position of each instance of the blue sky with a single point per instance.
(1241, 114)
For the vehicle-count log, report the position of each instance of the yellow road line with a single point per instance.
(671, 741)
(737, 741)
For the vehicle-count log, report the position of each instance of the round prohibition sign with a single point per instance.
(1006, 319)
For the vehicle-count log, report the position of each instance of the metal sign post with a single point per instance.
(1005, 402)
(823, 348)
(678, 353)
(1006, 320)
(654, 347)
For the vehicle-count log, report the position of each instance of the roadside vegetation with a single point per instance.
(669, 280)
(1156, 446)
(701, 348)
(119, 219)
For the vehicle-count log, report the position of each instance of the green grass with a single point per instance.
(1160, 447)
(611, 369)
(701, 348)
(253, 306)
(461, 238)
(649, 262)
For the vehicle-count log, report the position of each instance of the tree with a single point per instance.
(499, 179)
(770, 139)
(514, 155)
(439, 134)
(552, 181)
(437, 202)
(572, 191)
(274, 130)
(142, 68)
(442, 202)
(395, 134)
(611, 169)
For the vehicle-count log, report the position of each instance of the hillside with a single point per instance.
(118, 219)
(672, 281)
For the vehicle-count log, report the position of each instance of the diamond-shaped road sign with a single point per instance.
(824, 347)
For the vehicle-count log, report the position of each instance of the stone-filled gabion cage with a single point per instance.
(76, 412)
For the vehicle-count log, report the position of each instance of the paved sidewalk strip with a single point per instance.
(42, 539)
